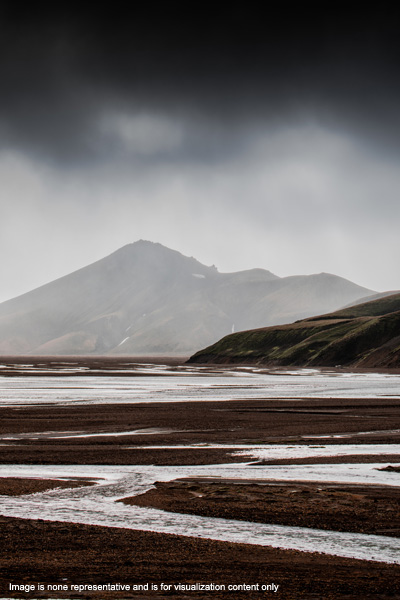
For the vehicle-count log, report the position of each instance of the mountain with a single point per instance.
(365, 335)
(147, 299)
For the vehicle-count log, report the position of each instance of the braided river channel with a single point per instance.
(98, 504)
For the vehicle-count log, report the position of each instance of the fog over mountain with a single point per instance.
(147, 299)
(237, 138)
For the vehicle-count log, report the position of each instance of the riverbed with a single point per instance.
(145, 423)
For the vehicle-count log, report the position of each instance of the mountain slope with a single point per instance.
(147, 299)
(364, 335)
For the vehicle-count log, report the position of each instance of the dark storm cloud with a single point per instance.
(198, 130)
(65, 71)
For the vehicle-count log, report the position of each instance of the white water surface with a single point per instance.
(160, 383)
(277, 452)
(60, 435)
(282, 451)
(98, 505)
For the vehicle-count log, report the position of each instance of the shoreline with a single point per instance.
(122, 361)
(356, 508)
(65, 553)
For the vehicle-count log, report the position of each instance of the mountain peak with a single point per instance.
(146, 299)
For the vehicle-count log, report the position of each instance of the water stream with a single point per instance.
(194, 384)
(98, 505)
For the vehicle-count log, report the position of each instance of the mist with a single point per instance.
(242, 143)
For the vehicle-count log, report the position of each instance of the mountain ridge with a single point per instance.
(145, 298)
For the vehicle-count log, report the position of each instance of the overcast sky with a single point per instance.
(243, 140)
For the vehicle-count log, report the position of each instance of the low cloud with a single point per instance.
(300, 200)
(143, 134)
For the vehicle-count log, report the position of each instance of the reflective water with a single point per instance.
(164, 384)
(59, 435)
(98, 505)
(273, 452)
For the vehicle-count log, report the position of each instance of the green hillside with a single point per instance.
(365, 335)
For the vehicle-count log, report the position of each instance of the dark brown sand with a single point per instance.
(16, 486)
(338, 507)
(185, 423)
(34, 552)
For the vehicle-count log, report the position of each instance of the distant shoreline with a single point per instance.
(107, 361)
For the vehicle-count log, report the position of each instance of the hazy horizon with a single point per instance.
(244, 142)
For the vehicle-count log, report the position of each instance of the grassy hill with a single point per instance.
(365, 335)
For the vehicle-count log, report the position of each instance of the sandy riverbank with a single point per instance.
(45, 434)
(358, 508)
(62, 553)
(17, 486)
